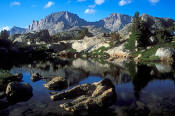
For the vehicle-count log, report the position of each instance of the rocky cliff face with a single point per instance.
(155, 23)
(58, 22)
(115, 21)
(64, 21)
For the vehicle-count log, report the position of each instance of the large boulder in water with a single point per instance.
(89, 97)
(57, 83)
(36, 77)
(165, 52)
(17, 91)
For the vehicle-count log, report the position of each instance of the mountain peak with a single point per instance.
(64, 20)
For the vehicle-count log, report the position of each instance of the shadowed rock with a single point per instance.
(88, 96)
(57, 83)
(17, 91)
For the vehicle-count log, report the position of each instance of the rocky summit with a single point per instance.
(64, 21)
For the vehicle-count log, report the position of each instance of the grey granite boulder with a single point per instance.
(165, 52)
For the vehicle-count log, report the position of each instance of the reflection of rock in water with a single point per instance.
(89, 97)
(71, 74)
(164, 68)
(90, 66)
(145, 74)
(115, 73)
(75, 72)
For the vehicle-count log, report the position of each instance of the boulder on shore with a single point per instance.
(165, 52)
(89, 97)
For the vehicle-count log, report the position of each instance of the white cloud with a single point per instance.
(89, 11)
(49, 4)
(154, 1)
(15, 3)
(124, 2)
(81, 0)
(99, 2)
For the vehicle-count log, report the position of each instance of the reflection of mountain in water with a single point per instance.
(145, 75)
(143, 78)
(78, 69)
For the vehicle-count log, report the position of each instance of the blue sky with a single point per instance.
(21, 13)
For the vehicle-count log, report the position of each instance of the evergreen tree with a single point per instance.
(136, 23)
(140, 30)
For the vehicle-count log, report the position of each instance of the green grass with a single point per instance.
(150, 59)
(101, 49)
(100, 52)
(101, 61)
(71, 50)
(4, 74)
(149, 54)
(130, 45)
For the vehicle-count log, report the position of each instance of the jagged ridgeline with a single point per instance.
(66, 21)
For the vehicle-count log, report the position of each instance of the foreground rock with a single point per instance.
(36, 77)
(57, 83)
(89, 97)
(17, 91)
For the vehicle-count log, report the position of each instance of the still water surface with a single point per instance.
(141, 89)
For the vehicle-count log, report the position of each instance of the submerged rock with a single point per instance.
(89, 97)
(36, 77)
(17, 91)
(57, 83)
